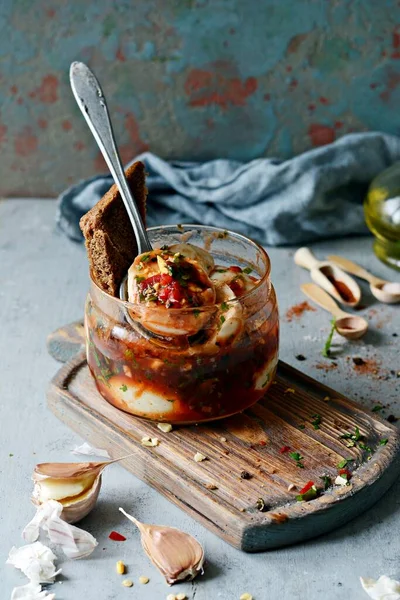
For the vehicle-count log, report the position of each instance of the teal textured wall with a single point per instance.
(191, 79)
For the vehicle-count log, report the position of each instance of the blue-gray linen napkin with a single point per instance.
(315, 195)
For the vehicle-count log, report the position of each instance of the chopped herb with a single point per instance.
(327, 481)
(247, 270)
(196, 312)
(145, 258)
(139, 279)
(297, 458)
(220, 270)
(222, 319)
(123, 388)
(139, 267)
(317, 421)
(301, 426)
(365, 447)
(260, 505)
(355, 437)
(383, 442)
(11, 454)
(164, 247)
(343, 463)
(327, 348)
(224, 306)
(377, 408)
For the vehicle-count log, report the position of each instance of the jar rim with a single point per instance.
(239, 236)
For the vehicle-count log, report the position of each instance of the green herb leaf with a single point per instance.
(297, 458)
(327, 348)
(301, 426)
(145, 258)
(196, 313)
(224, 306)
(247, 270)
(383, 442)
(139, 279)
(222, 319)
(356, 436)
(317, 421)
(123, 388)
(343, 463)
(327, 481)
(365, 447)
(220, 270)
(377, 408)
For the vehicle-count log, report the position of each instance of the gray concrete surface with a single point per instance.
(43, 282)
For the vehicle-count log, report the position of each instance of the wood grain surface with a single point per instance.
(248, 442)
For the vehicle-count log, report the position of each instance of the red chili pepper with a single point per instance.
(262, 443)
(307, 487)
(116, 537)
(235, 269)
(345, 472)
(284, 449)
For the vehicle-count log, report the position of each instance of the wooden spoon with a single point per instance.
(349, 326)
(330, 277)
(384, 291)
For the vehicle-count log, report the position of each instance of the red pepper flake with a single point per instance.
(263, 443)
(116, 537)
(307, 487)
(345, 472)
(284, 449)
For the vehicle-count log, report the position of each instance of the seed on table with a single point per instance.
(120, 567)
(246, 596)
(181, 596)
(143, 579)
(127, 583)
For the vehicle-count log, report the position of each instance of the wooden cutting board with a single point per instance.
(214, 491)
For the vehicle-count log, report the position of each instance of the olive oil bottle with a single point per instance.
(382, 214)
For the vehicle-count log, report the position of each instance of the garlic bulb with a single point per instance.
(177, 555)
(74, 485)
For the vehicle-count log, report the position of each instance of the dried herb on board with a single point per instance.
(327, 348)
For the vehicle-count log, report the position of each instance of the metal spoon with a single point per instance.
(332, 279)
(384, 291)
(349, 326)
(91, 101)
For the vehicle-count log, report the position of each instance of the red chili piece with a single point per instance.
(307, 487)
(345, 472)
(116, 537)
(284, 449)
(235, 269)
(262, 443)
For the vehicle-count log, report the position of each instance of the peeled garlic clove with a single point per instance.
(74, 485)
(177, 555)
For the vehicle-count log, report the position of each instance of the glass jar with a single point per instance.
(382, 214)
(174, 365)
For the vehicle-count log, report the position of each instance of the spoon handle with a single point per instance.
(306, 259)
(90, 99)
(351, 267)
(323, 299)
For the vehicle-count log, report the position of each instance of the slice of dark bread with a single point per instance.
(109, 237)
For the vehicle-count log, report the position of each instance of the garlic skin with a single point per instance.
(177, 555)
(36, 561)
(31, 591)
